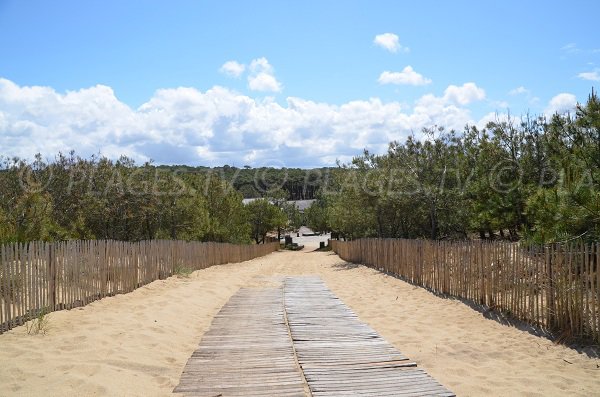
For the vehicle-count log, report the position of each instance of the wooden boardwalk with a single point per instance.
(341, 356)
(298, 339)
(246, 352)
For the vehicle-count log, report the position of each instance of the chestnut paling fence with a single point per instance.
(38, 277)
(555, 287)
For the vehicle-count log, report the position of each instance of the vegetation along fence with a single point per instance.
(556, 287)
(40, 277)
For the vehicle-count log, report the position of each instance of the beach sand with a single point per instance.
(138, 343)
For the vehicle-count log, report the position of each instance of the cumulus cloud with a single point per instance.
(561, 103)
(390, 42)
(592, 76)
(262, 76)
(215, 127)
(406, 76)
(261, 65)
(264, 82)
(233, 68)
(465, 94)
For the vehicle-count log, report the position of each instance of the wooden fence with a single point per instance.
(556, 287)
(39, 276)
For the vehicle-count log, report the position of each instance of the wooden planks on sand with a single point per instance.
(298, 339)
(246, 352)
(341, 356)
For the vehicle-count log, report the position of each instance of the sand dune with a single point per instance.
(137, 344)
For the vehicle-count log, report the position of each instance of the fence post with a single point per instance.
(51, 277)
(550, 298)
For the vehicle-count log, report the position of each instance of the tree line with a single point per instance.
(535, 178)
(97, 198)
(297, 183)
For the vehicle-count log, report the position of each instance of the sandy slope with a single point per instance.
(137, 344)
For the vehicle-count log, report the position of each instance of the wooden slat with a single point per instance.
(340, 355)
(247, 351)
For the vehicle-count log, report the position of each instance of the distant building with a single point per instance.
(300, 204)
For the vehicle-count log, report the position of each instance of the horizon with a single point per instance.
(273, 84)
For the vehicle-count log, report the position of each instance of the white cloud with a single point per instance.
(262, 76)
(561, 103)
(261, 65)
(519, 90)
(448, 110)
(592, 76)
(264, 82)
(232, 68)
(215, 127)
(465, 94)
(406, 76)
(390, 42)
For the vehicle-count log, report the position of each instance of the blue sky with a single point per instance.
(312, 82)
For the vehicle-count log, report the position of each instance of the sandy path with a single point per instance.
(137, 344)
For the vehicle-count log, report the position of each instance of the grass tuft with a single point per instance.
(40, 324)
(183, 271)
